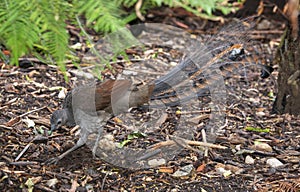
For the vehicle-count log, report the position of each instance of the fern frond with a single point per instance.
(50, 17)
(104, 15)
(128, 3)
(17, 32)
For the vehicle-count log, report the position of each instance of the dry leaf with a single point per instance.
(13, 121)
(166, 170)
(52, 182)
(201, 167)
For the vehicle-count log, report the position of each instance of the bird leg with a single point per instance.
(82, 140)
(94, 150)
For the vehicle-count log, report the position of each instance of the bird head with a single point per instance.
(58, 119)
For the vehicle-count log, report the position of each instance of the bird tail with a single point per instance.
(190, 80)
(222, 56)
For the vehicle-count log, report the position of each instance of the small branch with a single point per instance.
(210, 145)
(24, 163)
(189, 142)
(103, 181)
(29, 112)
(181, 142)
(5, 127)
(23, 151)
(37, 138)
(205, 141)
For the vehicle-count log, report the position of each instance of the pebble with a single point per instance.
(156, 162)
(262, 147)
(223, 171)
(183, 171)
(273, 162)
(249, 160)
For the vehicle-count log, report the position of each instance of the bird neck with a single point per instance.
(70, 117)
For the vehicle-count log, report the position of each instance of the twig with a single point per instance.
(38, 109)
(14, 172)
(225, 124)
(210, 145)
(6, 158)
(103, 181)
(37, 138)
(189, 142)
(196, 112)
(203, 133)
(5, 127)
(23, 151)
(22, 163)
(181, 142)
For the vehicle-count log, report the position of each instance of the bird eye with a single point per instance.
(58, 122)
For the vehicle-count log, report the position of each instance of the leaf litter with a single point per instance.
(31, 95)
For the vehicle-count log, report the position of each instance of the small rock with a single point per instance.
(62, 93)
(262, 147)
(183, 171)
(149, 52)
(156, 162)
(223, 171)
(30, 123)
(273, 162)
(249, 160)
(264, 25)
(254, 100)
(238, 147)
(76, 46)
(128, 72)
(172, 63)
(52, 182)
(148, 179)
(260, 113)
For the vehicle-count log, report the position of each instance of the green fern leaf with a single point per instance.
(101, 14)
(17, 32)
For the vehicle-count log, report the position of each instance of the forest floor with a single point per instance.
(262, 149)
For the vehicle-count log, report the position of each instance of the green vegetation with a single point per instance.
(259, 130)
(39, 27)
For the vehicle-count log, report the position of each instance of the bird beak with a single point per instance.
(53, 128)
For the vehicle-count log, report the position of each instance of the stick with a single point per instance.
(32, 111)
(5, 127)
(23, 151)
(189, 142)
(22, 163)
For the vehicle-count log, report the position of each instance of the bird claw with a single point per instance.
(52, 161)
(95, 157)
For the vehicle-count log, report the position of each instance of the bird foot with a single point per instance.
(95, 157)
(52, 161)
